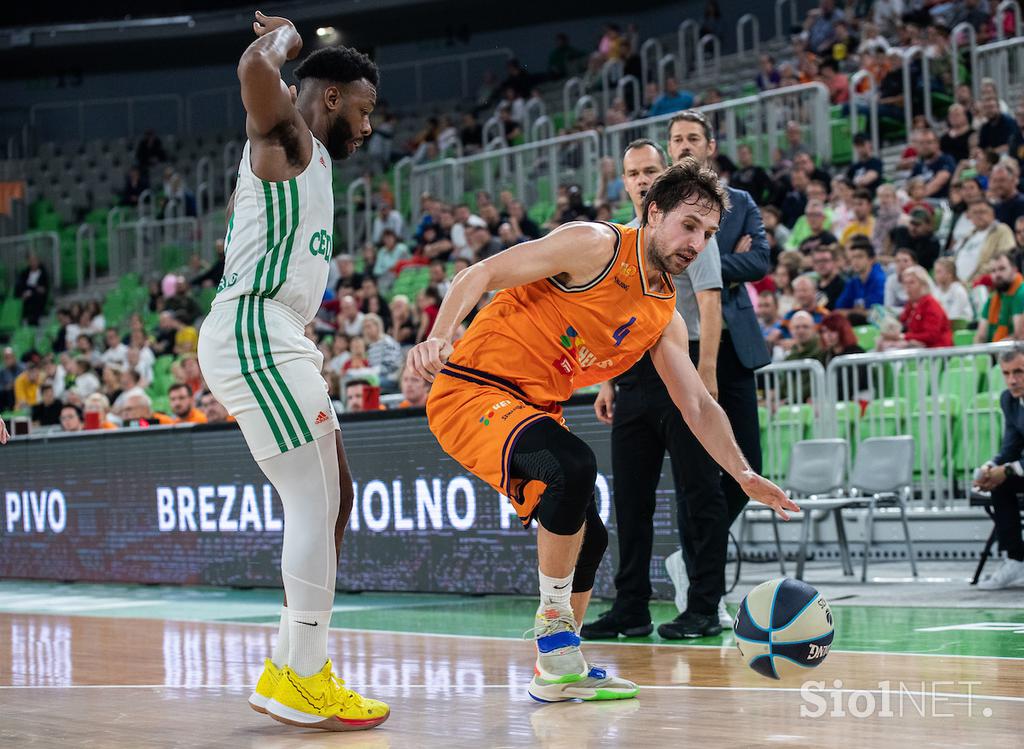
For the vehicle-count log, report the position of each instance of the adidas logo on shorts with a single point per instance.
(321, 417)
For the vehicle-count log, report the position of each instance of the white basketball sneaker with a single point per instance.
(1010, 573)
(724, 617)
(676, 569)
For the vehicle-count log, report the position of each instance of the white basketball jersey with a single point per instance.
(280, 236)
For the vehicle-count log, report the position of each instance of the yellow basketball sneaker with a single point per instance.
(265, 687)
(322, 701)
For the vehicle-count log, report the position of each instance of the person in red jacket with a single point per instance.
(925, 324)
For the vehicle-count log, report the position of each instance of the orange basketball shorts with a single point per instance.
(478, 418)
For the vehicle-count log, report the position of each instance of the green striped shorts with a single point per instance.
(258, 363)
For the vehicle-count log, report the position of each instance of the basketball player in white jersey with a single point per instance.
(258, 363)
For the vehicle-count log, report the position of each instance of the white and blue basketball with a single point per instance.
(783, 627)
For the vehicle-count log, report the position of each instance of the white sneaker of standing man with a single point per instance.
(1010, 573)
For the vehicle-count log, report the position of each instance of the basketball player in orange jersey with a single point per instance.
(576, 308)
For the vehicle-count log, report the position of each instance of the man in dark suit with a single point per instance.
(1004, 475)
(714, 500)
(33, 287)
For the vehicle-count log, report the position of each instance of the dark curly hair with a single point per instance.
(339, 65)
(686, 182)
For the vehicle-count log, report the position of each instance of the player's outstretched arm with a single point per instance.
(706, 418)
(577, 250)
(268, 101)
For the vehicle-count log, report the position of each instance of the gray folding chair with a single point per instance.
(884, 474)
(817, 481)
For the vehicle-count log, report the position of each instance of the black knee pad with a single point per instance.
(595, 541)
(563, 507)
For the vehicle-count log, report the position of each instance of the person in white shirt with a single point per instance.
(950, 293)
(350, 319)
(387, 218)
(116, 353)
(895, 294)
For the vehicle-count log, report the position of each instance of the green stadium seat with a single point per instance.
(983, 427)
(934, 446)
(995, 383)
(884, 417)
(623, 214)
(867, 336)
(963, 337)
(962, 378)
(205, 299)
(10, 315)
(23, 340)
(787, 426)
(847, 416)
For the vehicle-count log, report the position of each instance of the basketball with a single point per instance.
(783, 627)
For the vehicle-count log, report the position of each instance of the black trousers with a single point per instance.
(646, 424)
(1006, 513)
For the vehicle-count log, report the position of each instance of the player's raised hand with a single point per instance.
(764, 491)
(3, 433)
(427, 358)
(265, 24)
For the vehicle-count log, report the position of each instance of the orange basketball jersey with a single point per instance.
(548, 339)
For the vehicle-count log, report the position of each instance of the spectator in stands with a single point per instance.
(1003, 314)
(1018, 234)
(786, 155)
(357, 360)
(751, 177)
(86, 381)
(895, 293)
(26, 384)
(46, 412)
(863, 222)
(838, 83)
(382, 351)
(84, 348)
(806, 345)
(609, 187)
(563, 58)
(934, 166)
(1002, 476)
(522, 224)
(429, 303)
(482, 244)
(138, 411)
(71, 418)
(435, 242)
(919, 236)
(998, 127)
(805, 299)
(98, 404)
(950, 293)
(767, 76)
(775, 231)
(824, 260)
(576, 209)
(116, 353)
(33, 288)
(1002, 185)
(955, 140)
(782, 278)
(817, 194)
(355, 396)
(989, 238)
(387, 218)
(350, 319)
(924, 320)
(820, 27)
(794, 199)
(212, 410)
(344, 273)
(150, 151)
(414, 389)
(338, 355)
(768, 314)
(1015, 147)
(403, 325)
(374, 302)
(182, 303)
(866, 171)
(970, 192)
(181, 398)
(210, 277)
(134, 185)
(838, 339)
(671, 99)
(389, 254)
(866, 287)
(819, 235)
(887, 218)
(110, 381)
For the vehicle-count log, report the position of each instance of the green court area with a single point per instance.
(997, 632)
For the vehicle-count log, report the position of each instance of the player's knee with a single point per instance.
(564, 505)
(595, 542)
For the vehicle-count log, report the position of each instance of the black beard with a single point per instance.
(1002, 286)
(338, 138)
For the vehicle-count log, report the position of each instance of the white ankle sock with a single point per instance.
(280, 656)
(555, 591)
(307, 640)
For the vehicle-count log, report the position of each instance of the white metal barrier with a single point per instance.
(645, 61)
(534, 110)
(146, 245)
(572, 90)
(359, 231)
(611, 72)
(630, 81)
(706, 41)
(782, 31)
(86, 233)
(1003, 61)
(45, 245)
(960, 30)
(792, 398)
(947, 399)
(688, 34)
(869, 99)
(230, 158)
(925, 86)
(1004, 7)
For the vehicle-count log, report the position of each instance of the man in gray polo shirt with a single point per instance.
(645, 424)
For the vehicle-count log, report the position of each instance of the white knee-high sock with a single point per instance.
(280, 656)
(307, 480)
(555, 591)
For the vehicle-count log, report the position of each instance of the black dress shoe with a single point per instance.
(611, 624)
(690, 625)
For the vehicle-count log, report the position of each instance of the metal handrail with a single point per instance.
(687, 28)
(972, 35)
(582, 103)
(645, 67)
(542, 129)
(493, 123)
(608, 70)
(871, 100)
(80, 105)
(534, 109)
(780, 32)
(1014, 8)
(404, 162)
(51, 238)
(574, 84)
(908, 56)
(664, 64)
(147, 204)
(350, 219)
(85, 232)
(620, 92)
(1000, 71)
(231, 157)
(716, 55)
(748, 19)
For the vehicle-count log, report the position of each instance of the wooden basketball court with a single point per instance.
(106, 682)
